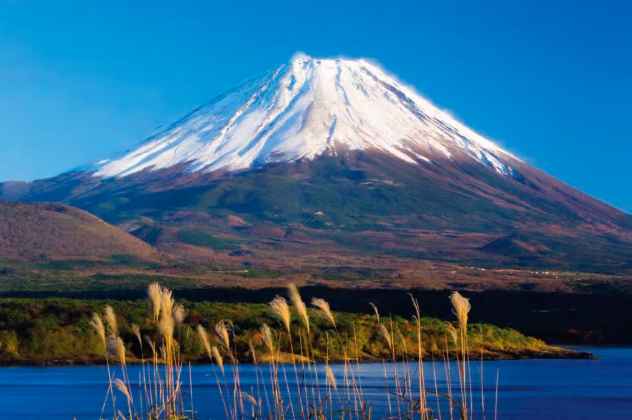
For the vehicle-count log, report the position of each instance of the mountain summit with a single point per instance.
(307, 108)
(334, 166)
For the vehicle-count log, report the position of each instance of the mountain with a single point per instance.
(334, 167)
(305, 109)
(42, 232)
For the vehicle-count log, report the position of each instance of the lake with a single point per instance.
(528, 389)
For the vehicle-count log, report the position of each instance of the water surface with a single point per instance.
(528, 389)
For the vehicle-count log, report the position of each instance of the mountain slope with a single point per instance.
(335, 158)
(305, 109)
(53, 231)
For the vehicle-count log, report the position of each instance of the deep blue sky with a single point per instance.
(553, 84)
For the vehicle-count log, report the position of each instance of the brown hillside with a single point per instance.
(56, 231)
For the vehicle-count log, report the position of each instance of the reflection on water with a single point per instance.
(528, 389)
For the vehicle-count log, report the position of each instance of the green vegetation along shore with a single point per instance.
(58, 331)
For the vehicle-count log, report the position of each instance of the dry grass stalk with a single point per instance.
(453, 333)
(162, 388)
(376, 311)
(152, 346)
(116, 349)
(387, 336)
(253, 352)
(281, 310)
(331, 378)
(299, 305)
(110, 319)
(120, 385)
(221, 330)
(123, 389)
(218, 358)
(136, 332)
(268, 339)
(166, 326)
(179, 314)
(166, 323)
(97, 323)
(420, 367)
(325, 309)
(205, 341)
(154, 293)
(166, 302)
(461, 308)
(251, 399)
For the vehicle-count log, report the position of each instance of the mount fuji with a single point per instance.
(305, 109)
(327, 163)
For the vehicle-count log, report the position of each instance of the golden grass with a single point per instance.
(179, 314)
(217, 357)
(325, 309)
(205, 340)
(221, 330)
(461, 308)
(110, 320)
(281, 310)
(97, 323)
(406, 395)
(299, 305)
(154, 293)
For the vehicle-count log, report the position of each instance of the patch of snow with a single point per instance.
(303, 109)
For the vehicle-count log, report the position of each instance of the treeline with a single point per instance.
(47, 331)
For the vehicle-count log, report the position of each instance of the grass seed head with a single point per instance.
(151, 345)
(299, 305)
(120, 385)
(110, 319)
(253, 352)
(331, 378)
(97, 323)
(205, 341)
(166, 302)
(179, 314)
(136, 332)
(387, 336)
(166, 326)
(116, 349)
(154, 293)
(416, 306)
(281, 310)
(268, 339)
(221, 330)
(453, 334)
(376, 311)
(325, 309)
(461, 309)
(219, 361)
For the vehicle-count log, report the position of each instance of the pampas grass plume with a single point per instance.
(110, 319)
(204, 339)
(154, 293)
(461, 309)
(218, 358)
(97, 323)
(299, 305)
(325, 309)
(281, 310)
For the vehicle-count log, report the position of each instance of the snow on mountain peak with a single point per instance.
(304, 109)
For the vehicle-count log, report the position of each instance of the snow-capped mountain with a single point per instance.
(307, 108)
(338, 156)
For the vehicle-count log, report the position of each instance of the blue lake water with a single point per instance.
(528, 389)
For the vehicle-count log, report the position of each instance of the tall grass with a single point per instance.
(293, 380)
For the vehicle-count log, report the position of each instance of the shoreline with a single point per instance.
(563, 354)
(561, 318)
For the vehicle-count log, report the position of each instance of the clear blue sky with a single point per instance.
(553, 83)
